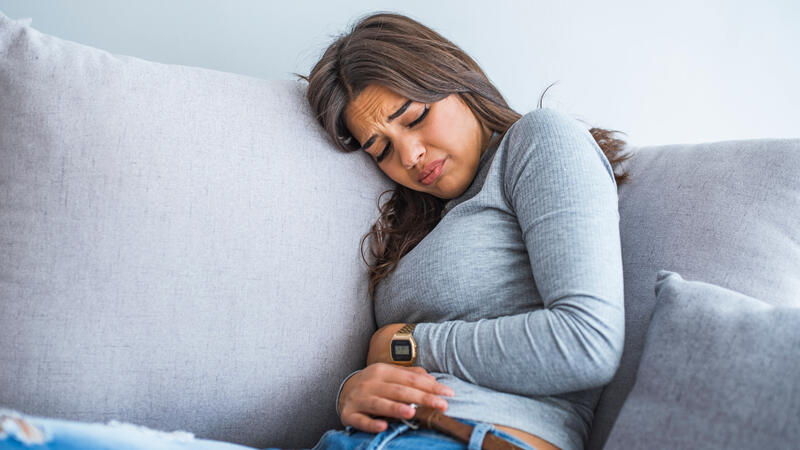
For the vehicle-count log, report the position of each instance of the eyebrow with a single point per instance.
(389, 119)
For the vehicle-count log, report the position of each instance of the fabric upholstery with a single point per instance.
(718, 370)
(179, 247)
(723, 212)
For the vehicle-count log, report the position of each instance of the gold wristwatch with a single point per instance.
(404, 347)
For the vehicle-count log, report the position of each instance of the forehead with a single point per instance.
(370, 109)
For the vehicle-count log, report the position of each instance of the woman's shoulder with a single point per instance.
(544, 142)
(544, 132)
(545, 121)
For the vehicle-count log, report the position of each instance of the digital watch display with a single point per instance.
(403, 346)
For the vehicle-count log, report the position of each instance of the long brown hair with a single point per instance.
(411, 59)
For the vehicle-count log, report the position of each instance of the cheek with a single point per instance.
(396, 174)
(442, 134)
(453, 128)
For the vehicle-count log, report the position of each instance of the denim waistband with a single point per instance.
(492, 429)
(500, 433)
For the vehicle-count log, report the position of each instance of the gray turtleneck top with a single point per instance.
(518, 290)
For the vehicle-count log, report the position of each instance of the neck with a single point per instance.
(486, 135)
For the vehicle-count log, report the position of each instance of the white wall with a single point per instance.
(663, 72)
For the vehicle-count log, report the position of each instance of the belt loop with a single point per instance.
(478, 433)
(383, 438)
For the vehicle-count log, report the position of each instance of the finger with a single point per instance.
(419, 369)
(393, 402)
(364, 422)
(421, 372)
(425, 382)
(400, 385)
(394, 399)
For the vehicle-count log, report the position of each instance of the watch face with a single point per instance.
(401, 350)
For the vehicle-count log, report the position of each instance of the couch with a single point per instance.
(179, 248)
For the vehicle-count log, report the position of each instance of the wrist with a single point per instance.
(403, 348)
(339, 393)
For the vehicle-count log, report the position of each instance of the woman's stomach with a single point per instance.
(563, 420)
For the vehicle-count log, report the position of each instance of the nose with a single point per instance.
(411, 153)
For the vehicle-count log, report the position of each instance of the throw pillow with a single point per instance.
(719, 370)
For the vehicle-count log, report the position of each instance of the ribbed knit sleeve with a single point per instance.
(561, 188)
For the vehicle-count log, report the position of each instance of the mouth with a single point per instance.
(432, 172)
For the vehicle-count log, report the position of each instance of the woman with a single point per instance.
(499, 247)
(500, 244)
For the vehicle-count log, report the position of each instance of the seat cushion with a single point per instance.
(718, 368)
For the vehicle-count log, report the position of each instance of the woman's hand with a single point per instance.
(380, 344)
(387, 390)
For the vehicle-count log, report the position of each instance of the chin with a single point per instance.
(451, 195)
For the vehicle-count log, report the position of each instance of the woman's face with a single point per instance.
(408, 139)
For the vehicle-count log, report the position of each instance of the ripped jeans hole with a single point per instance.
(179, 436)
(18, 428)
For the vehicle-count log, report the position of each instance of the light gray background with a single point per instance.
(663, 72)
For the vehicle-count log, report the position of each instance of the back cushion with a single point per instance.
(723, 212)
(179, 247)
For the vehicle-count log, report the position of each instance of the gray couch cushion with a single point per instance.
(723, 212)
(179, 247)
(719, 370)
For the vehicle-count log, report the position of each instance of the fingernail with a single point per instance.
(449, 392)
(441, 404)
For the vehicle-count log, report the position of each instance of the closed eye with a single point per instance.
(420, 118)
(416, 122)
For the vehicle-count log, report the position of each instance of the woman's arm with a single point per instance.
(562, 189)
(339, 393)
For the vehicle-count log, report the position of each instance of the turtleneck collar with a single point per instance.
(494, 142)
(490, 148)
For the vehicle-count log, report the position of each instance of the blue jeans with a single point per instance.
(399, 436)
(22, 431)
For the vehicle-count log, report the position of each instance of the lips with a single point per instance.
(430, 168)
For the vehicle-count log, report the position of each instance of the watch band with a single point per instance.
(407, 329)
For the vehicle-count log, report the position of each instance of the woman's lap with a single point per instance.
(23, 431)
(61, 434)
(405, 438)
(399, 436)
